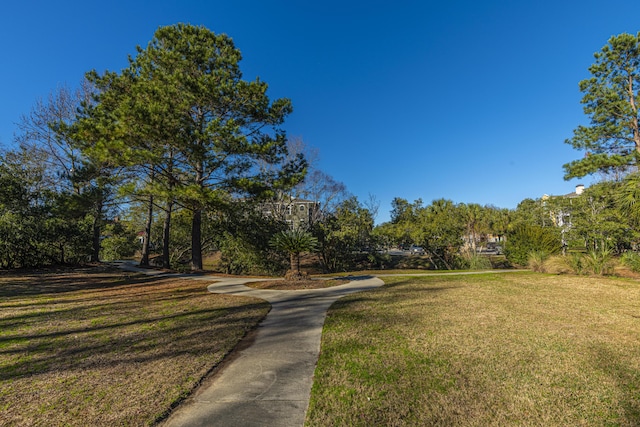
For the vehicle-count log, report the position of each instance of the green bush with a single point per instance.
(575, 261)
(473, 261)
(525, 239)
(631, 260)
(118, 243)
(600, 262)
(379, 260)
(240, 256)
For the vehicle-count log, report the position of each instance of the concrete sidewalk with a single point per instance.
(269, 381)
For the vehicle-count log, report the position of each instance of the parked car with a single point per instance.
(416, 250)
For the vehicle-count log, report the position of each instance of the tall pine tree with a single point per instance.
(611, 141)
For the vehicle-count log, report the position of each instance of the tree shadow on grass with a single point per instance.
(120, 342)
(626, 378)
(46, 282)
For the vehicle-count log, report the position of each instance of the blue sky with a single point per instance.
(465, 100)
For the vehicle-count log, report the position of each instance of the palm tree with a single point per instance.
(294, 242)
(628, 196)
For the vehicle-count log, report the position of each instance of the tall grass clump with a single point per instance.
(631, 260)
(536, 261)
(558, 264)
(599, 262)
(575, 262)
(474, 261)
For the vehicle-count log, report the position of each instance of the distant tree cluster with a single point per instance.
(449, 233)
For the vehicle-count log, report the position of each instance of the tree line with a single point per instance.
(174, 156)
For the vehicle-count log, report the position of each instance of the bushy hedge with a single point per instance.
(526, 239)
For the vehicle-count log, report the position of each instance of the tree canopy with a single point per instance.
(611, 141)
(182, 110)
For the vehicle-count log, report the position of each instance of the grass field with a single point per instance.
(100, 348)
(488, 350)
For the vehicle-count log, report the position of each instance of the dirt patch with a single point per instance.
(292, 285)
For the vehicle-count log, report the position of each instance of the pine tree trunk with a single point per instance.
(144, 261)
(166, 259)
(196, 228)
(634, 122)
(97, 220)
(196, 240)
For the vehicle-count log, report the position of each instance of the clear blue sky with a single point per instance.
(465, 100)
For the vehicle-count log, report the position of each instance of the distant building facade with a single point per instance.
(561, 217)
(297, 213)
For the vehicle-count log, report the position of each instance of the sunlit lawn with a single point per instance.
(488, 350)
(105, 349)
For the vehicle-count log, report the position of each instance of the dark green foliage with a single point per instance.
(451, 234)
(37, 225)
(344, 235)
(243, 235)
(441, 228)
(631, 260)
(594, 219)
(530, 211)
(627, 198)
(205, 131)
(293, 243)
(119, 242)
(525, 239)
(190, 133)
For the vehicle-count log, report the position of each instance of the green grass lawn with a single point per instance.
(486, 350)
(100, 348)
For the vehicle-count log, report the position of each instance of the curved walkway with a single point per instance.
(269, 382)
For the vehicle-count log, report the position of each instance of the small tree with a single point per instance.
(294, 242)
(440, 231)
(344, 235)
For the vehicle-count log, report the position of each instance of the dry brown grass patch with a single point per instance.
(106, 348)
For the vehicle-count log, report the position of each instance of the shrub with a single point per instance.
(600, 262)
(525, 239)
(559, 264)
(631, 260)
(240, 256)
(473, 261)
(294, 242)
(536, 261)
(119, 242)
(575, 261)
(379, 260)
